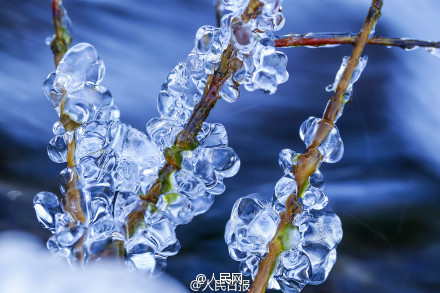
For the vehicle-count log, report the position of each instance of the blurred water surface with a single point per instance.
(385, 189)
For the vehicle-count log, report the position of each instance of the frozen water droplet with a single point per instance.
(212, 135)
(57, 149)
(229, 91)
(265, 81)
(77, 63)
(322, 235)
(294, 271)
(223, 160)
(246, 208)
(314, 198)
(161, 230)
(283, 189)
(317, 180)
(263, 227)
(356, 74)
(54, 247)
(332, 148)
(285, 160)
(124, 204)
(177, 207)
(163, 131)
(70, 233)
(46, 205)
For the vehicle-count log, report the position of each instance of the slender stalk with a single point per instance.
(335, 39)
(72, 199)
(62, 39)
(308, 162)
(59, 46)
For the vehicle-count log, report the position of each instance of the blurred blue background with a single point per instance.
(386, 188)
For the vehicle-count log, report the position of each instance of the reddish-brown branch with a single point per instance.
(309, 161)
(323, 40)
(62, 39)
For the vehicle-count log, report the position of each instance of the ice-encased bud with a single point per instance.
(332, 148)
(46, 206)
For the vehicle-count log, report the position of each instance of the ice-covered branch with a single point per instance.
(315, 40)
(239, 39)
(62, 39)
(307, 163)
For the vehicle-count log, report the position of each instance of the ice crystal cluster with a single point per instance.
(263, 67)
(114, 163)
(309, 242)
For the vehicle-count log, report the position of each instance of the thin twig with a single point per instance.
(335, 39)
(308, 162)
(72, 199)
(62, 39)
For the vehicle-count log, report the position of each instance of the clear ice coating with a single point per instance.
(263, 67)
(332, 148)
(308, 244)
(203, 169)
(114, 162)
(252, 225)
(356, 74)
